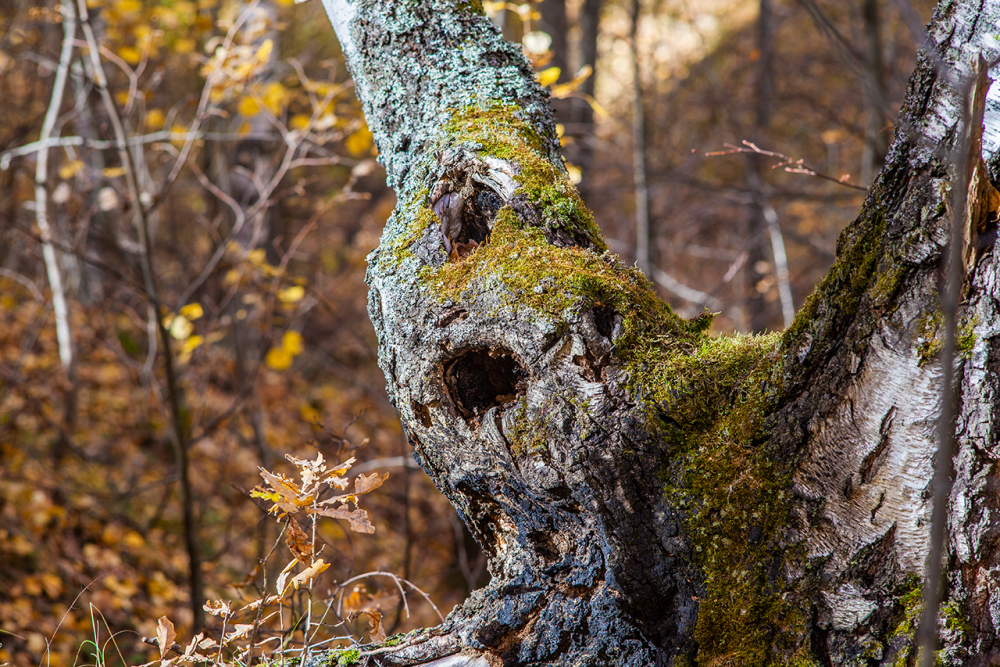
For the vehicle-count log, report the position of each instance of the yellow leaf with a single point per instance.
(185, 45)
(129, 6)
(299, 121)
(178, 129)
(291, 294)
(122, 97)
(525, 12)
(52, 584)
(274, 97)
(167, 17)
(291, 342)
(192, 311)
(155, 119)
(264, 52)
(598, 109)
(278, 358)
(248, 107)
(190, 345)
(133, 540)
(113, 172)
(359, 142)
(309, 414)
(549, 76)
(130, 54)
(575, 173)
(181, 328)
(256, 256)
(564, 89)
(70, 169)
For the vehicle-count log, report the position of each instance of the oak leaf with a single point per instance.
(298, 541)
(307, 575)
(165, 635)
(358, 518)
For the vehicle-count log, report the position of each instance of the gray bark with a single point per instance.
(647, 494)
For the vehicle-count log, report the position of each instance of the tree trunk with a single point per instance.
(648, 494)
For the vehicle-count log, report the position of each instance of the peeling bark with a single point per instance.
(647, 494)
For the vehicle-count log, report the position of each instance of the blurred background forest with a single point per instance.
(187, 196)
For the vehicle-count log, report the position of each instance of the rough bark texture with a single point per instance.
(648, 494)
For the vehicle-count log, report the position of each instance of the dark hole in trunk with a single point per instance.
(604, 320)
(480, 379)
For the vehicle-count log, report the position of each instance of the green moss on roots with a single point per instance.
(710, 400)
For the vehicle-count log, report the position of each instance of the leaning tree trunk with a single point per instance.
(648, 494)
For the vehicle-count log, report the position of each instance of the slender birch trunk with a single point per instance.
(52, 269)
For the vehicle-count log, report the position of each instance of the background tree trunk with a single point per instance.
(647, 494)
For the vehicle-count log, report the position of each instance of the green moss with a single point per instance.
(471, 6)
(872, 649)
(533, 429)
(521, 269)
(420, 217)
(498, 130)
(887, 281)
(930, 327)
(966, 339)
(910, 598)
(954, 619)
(710, 400)
(344, 657)
(850, 278)
(930, 336)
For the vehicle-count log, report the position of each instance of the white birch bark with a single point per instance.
(52, 269)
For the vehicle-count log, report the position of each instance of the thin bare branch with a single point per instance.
(789, 164)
